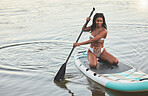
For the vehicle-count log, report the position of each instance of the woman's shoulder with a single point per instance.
(104, 29)
(104, 32)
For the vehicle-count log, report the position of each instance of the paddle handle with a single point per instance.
(80, 35)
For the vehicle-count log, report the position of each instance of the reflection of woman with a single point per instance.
(98, 34)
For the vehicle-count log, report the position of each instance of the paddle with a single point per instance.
(61, 73)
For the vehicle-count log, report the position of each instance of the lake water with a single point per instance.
(36, 37)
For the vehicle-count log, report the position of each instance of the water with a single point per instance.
(36, 37)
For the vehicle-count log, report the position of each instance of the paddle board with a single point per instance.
(119, 77)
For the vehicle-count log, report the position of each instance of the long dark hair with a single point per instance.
(93, 26)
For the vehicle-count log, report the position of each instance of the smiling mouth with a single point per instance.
(98, 24)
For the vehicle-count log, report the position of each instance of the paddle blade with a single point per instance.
(61, 73)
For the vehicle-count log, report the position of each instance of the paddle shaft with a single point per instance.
(61, 73)
(80, 35)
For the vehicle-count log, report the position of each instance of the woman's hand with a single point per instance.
(76, 44)
(88, 19)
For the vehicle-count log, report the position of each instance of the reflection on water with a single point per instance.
(95, 90)
(143, 3)
(98, 90)
(63, 85)
(36, 38)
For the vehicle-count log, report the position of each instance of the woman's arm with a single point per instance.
(87, 29)
(98, 37)
(103, 34)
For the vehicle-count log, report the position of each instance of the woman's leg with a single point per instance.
(92, 59)
(105, 56)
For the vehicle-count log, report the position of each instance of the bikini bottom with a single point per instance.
(96, 51)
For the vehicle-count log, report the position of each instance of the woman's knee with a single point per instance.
(93, 65)
(115, 62)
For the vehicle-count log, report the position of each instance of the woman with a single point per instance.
(97, 37)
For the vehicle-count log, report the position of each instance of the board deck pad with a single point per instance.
(105, 68)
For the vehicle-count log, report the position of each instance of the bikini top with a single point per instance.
(94, 37)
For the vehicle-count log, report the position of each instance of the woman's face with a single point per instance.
(99, 22)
